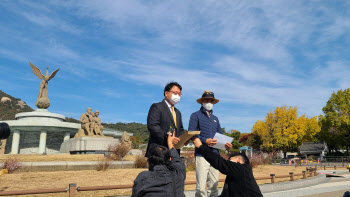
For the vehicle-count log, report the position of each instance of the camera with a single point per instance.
(4, 130)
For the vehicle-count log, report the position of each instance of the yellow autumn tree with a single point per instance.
(312, 127)
(284, 130)
(259, 129)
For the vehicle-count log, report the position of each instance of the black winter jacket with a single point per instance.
(239, 181)
(159, 181)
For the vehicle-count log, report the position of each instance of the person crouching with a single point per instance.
(166, 175)
(240, 181)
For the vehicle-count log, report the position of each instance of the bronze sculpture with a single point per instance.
(43, 100)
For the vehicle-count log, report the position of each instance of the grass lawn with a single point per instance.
(61, 179)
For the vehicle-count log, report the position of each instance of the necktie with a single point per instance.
(174, 117)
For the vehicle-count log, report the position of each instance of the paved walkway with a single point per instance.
(334, 187)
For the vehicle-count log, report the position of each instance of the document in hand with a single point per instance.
(221, 141)
(184, 137)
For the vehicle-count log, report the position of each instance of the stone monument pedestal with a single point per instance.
(38, 132)
(88, 145)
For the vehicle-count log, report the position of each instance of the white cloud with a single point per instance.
(254, 72)
(333, 74)
(60, 51)
(251, 53)
(43, 15)
(174, 22)
(75, 97)
(310, 97)
(111, 93)
(8, 54)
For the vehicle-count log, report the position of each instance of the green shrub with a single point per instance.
(136, 141)
(235, 150)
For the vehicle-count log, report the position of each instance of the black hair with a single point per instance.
(170, 85)
(242, 155)
(159, 155)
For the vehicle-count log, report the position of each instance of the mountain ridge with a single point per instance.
(10, 106)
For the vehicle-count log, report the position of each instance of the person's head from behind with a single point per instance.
(346, 194)
(160, 155)
(239, 158)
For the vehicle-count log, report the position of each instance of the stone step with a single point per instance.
(70, 165)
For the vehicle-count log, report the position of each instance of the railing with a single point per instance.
(311, 171)
(72, 189)
(340, 161)
(335, 167)
(336, 158)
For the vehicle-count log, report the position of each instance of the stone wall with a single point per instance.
(29, 143)
(53, 142)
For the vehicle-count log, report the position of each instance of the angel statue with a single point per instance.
(43, 100)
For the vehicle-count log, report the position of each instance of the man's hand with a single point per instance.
(176, 139)
(211, 142)
(197, 142)
(228, 146)
(171, 139)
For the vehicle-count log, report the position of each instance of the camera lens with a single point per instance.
(4, 131)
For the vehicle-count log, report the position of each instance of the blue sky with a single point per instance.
(117, 56)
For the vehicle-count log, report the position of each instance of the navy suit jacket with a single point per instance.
(159, 120)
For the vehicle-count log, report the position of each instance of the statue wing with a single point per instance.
(37, 71)
(53, 74)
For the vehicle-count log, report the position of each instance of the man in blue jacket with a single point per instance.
(205, 121)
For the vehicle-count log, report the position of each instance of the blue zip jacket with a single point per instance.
(200, 121)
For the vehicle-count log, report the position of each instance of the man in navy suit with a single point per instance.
(164, 117)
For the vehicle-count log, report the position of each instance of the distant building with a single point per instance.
(318, 149)
(247, 150)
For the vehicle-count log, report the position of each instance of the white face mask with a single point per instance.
(175, 99)
(208, 106)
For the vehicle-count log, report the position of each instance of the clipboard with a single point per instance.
(184, 137)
